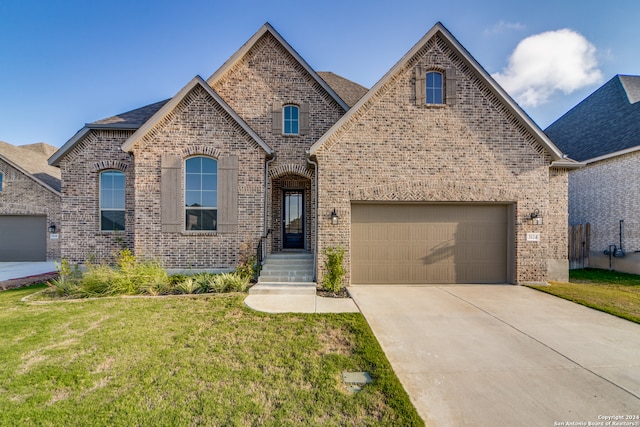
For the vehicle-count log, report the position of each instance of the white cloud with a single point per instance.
(503, 26)
(546, 63)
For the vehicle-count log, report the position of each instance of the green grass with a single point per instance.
(609, 291)
(188, 360)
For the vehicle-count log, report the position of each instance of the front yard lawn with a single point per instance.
(202, 360)
(609, 291)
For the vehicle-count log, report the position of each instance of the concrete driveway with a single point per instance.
(476, 355)
(16, 270)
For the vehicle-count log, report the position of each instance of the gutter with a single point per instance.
(315, 218)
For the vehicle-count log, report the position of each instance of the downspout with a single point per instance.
(266, 200)
(315, 219)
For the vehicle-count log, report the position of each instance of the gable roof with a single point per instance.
(349, 91)
(438, 29)
(131, 120)
(169, 106)
(605, 124)
(31, 160)
(267, 28)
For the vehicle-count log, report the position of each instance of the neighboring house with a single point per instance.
(29, 203)
(429, 177)
(603, 131)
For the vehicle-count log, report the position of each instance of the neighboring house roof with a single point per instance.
(559, 160)
(31, 160)
(349, 91)
(173, 102)
(267, 28)
(604, 124)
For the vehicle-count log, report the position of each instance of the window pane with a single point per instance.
(106, 197)
(112, 220)
(193, 182)
(209, 165)
(200, 219)
(294, 127)
(193, 165)
(192, 198)
(209, 182)
(118, 180)
(0, 182)
(210, 199)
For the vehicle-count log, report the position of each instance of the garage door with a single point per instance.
(424, 243)
(23, 238)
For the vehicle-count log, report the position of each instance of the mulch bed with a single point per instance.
(342, 293)
(26, 281)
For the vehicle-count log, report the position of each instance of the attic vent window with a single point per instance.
(291, 117)
(434, 87)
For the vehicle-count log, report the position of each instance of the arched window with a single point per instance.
(112, 200)
(291, 120)
(201, 193)
(434, 85)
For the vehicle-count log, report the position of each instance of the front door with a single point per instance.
(293, 219)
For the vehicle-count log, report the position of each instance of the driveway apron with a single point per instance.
(492, 355)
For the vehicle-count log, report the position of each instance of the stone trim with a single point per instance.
(287, 169)
(200, 150)
(110, 164)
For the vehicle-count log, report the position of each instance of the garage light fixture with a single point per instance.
(536, 217)
(334, 217)
(52, 228)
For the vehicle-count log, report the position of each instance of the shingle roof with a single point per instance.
(349, 91)
(32, 159)
(605, 122)
(134, 117)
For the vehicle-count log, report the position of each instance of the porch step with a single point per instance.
(286, 273)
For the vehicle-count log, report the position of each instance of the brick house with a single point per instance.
(29, 203)
(603, 131)
(431, 176)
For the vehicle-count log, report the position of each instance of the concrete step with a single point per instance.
(285, 278)
(283, 288)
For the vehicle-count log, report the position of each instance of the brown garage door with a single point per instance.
(425, 243)
(23, 238)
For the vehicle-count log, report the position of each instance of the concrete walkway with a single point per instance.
(300, 304)
(17, 270)
(480, 355)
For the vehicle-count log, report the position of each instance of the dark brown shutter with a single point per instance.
(451, 86)
(170, 198)
(304, 119)
(276, 118)
(421, 86)
(228, 194)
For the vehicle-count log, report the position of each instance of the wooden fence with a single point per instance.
(579, 246)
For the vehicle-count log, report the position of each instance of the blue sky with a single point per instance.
(64, 63)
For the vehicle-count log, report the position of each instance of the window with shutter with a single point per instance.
(201, 194)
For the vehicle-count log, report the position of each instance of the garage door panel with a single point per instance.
(23, 238)
(429, 243)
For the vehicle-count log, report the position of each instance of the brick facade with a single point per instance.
(21, 195)
(472, 150)
(599, 194)
(390, 149)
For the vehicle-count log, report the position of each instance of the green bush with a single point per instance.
(133, 277)
(332, 280)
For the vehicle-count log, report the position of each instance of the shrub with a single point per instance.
(332, 280)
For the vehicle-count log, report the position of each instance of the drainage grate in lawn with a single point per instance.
(355, 380)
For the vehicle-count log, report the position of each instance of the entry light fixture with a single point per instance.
(334, 217)
(536, 217)
(52, 228)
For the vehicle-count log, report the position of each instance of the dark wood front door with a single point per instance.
(293, 219)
